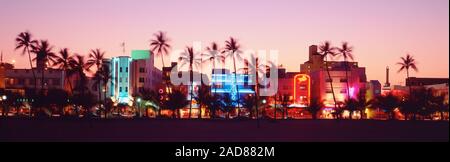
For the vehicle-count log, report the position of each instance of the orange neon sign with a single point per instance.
(301, 79)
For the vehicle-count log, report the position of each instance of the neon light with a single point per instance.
(352, 92)
(302, 78)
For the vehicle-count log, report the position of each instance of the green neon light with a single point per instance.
(140, 54)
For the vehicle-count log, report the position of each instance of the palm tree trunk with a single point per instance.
(275, 111)
(191, 78)
(331, 83)
(346, 76)
(104, 102)
(237, 86)
(34, 77)
(42, 78)
(100, 98)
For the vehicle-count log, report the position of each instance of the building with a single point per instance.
(373, 89)
(226, 83)
(132, 75)
(418, 82)
(119, 87)
(296, 85)
(20, 80)
(144, 74)
(320, 82)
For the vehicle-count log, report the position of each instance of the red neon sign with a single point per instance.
(302, 89)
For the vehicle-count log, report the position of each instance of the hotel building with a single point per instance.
(320, 82)
(131, 75)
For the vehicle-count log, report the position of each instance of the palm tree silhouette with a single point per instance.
(79, 65)
(314, 107)
(25, 42)
(44, 56)
(232, 49)
(326, 50)
(388, 103)
(96, 58)
(106, 77)
(176, 101)
(346, 52)
(63, 62)
(254, 66)
(202, 97)
(214, 55)
(160, 45)
(351, 105)
(407, 63)
(189, 57)
(285, 100)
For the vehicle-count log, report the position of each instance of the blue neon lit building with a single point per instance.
(119, 87)
(224, 82)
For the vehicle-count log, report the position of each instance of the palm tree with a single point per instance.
(285, 100)
(96, 58)
(314, 107)
(79, 65)
(106, 76)
(213, 55)
(351, 105)
(160, 45)
(189, 57)
(346, 52)
(44, 56)
(202, 97)
(25, 42)
(362, 104)
(214, 103)
(326, 50)
(388, 103)
(176, 101)
(254, 66)
(63, 62)
(233, 49)
(407, 63)
(249, 102)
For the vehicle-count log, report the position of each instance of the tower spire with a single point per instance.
(123, 47)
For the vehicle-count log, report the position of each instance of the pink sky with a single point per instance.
(380, 30)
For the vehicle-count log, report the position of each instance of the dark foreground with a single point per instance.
(120, 130)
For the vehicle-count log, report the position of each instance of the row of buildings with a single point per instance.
(131, 75)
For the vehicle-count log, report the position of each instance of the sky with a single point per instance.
(381, 31)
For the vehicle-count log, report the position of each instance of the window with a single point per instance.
(328, 91)
(343, 80)
(21, 81)
(120, 89)
(344, 91)
(142, 70)
(56, 82)
(126, 80)
(120, 69)
(126, 69)
(126, 89)
(329, 80)
(141, 80)
(120, 80)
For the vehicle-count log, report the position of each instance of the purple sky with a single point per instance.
(380, 30)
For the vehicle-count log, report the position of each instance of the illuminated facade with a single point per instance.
(302, 90)
(320, 82)
(225, 83)
(119, 87)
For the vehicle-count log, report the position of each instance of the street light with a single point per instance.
(139, 100)
(4, 97)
